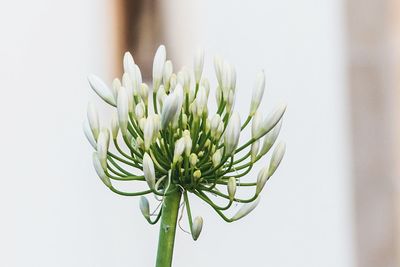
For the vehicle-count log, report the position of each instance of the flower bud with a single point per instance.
(123, 110)
(188, 145)
(89, 134)
(198, 64)
(254, 150)
(144, 207)
(169, 110)
(142, 123)
(258, 92)
(256, 125)
(158, 67)
(201, 101)
(273, 118)
(206, 84)
(116, 84)
(193, 159)
(139, 111)
(148, 132)
(172, 82)
(161, 95)
(216, 158)
(179, 148)
(100, 171)
(93, 119)
(197, 175)
(101, 89)
(103, 143)
(144, 92)
(128, 62)
(246, 209)
(232, 134)
(215, 123)
(168, 69)
(231, 188)
(197, 227)
(114, 126)
(218, 64)
(136, 78)
(276, 158)
(270, 138)
(127, 83)
(148, 171)
(262, 178)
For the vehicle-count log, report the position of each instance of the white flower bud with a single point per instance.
(144, 207)
(276, 158)
(100, 171)
(273, 118)
(148, 171)
(254, 150)
(218, 95)
(148, 132)
(158, 67)
(226, 79)
(258, 92)
(93, 119)
(188, 145)
(170, 108)
(123, 110)
(218, 65)
(197, 175)
(127, 83)
(232, 134)
(179, 148)
(230, 101)
(161, 95)
(270, 138)
(142, 123)
(198, 64)
(168, 69)
(172, 82)
(144, 92)
(216, 158)
(197, 227)
(256, 125)
(114, 125)
(139, 111)
(220, 128)
(157, 124)
(89, 134)
(128, 62)
(193, 159)
(116, 84)
(231, 188)
(136, 78)
(215, 123)
(262, 178)
(201, 101)
(246, 209)
(101, 89)
(103, 143)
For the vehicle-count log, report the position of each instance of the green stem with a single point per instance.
(167, 229)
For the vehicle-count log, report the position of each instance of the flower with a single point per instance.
(176, 143)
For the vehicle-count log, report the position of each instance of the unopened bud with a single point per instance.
(193, 159)
(246, 209)
(231, 188)
(198, 64)
(276, 158)
(258, 92)
(144, 207)
(123, 110)
(100, 171)
(197, 227)
(93, 120)
(148, 171)
(179, 148)
(158, 67)
(101, 89)
(232, 134)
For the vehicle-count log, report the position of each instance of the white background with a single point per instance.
(55, 211)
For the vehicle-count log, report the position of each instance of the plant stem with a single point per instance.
(167, 229)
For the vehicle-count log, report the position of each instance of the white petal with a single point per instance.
(101, 89)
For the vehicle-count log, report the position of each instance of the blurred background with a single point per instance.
(336, 63)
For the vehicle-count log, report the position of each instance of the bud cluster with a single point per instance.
(165, 137)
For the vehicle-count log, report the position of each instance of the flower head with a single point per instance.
(172, 142)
